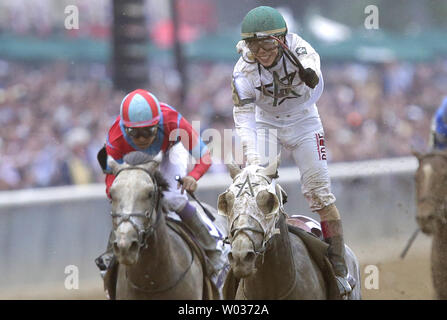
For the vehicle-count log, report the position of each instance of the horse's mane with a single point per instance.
(137, 157)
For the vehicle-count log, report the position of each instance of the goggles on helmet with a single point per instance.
(267, 44)
(145, 132)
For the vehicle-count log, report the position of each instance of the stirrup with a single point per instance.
(100, 264)
(103, 273)
(216, 264)
(345, 285)
(103, 261)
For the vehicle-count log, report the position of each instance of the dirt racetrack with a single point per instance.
(403, 279)
(398, 279)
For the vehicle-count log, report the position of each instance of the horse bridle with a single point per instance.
(234, 232)
(144, 234)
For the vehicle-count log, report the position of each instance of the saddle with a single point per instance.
(309, 231)
(307, 224)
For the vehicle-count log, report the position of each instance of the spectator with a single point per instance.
(365, 116)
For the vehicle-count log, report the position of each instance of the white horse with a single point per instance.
(156, 260)
(271, 262)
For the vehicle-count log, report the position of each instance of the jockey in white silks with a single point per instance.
(274, 98)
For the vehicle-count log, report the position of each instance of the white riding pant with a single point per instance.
(175, 162)
(309, 153)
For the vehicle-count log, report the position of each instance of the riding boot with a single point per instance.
(333, 235)
(200, 230)
(103, 261)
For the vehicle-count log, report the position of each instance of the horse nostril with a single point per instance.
(116, 249)
(133, 246)
(250, 256)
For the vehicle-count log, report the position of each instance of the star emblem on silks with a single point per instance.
(301, 50)
(246, 187)
(278, 93)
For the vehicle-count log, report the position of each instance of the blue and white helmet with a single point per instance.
(140, 108)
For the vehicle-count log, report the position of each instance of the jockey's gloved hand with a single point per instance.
(309, 77)
(189, 184)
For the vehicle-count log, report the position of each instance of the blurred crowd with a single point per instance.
(47, 17)
(54, 117)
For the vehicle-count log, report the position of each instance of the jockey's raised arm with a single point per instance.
(276, 84)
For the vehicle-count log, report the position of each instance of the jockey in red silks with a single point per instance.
(146, 125)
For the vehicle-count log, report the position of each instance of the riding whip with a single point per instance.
(289, 53)
(410, 242)
(209, 214)
(301, 70)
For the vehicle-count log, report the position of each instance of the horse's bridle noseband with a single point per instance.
(144, 234)
(236, 231)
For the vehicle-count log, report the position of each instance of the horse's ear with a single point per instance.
(113, 164)
(417, 154)
(158, 157)
(272, 169)
(234, 169)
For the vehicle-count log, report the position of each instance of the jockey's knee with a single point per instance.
(175, 201)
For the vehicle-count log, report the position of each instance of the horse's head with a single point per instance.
(135, 193)
(251, 204)
(431, 190)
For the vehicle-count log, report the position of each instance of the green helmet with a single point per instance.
(263, 21)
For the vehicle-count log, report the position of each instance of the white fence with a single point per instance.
(44, 230)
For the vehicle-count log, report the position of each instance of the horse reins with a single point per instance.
(236, 231)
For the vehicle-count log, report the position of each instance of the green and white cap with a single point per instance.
(261, 22)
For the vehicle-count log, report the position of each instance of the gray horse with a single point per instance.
(271, 262)
(431, 191)
(155, 260)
